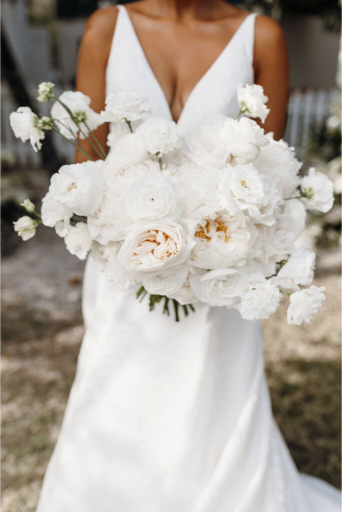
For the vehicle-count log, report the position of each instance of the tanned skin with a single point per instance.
(181, 40)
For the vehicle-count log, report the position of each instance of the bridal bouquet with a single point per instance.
(212, 217)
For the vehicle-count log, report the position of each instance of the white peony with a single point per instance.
(318, 191)
(299, 269)
(55, 214)
(45, 91)
(153, 197)
(125, 105)
(219, 287)
(78, 240)
(79, 187)
(243, 139)
(129, 150)
(251, 99)
(155, 248)
(159, 135)
(25, 227)
(260, 298)
(204, 144)
(168, 283)
(84, 116)
(223, 240)
(27, 126)
(304, 304)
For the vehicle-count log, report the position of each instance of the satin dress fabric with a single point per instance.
(166, 416)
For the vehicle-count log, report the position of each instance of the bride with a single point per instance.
(165, 416)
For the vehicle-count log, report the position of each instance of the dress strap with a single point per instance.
(249, 36)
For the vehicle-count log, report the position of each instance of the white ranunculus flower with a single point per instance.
(318, 191)
(185, 295)
(45, 91)
(27, 126)
(55, 215)
(219, 287)
(304, 304)
(260, 298)
(243, 139)
(278, 161)
(78, 104)
(25, 227)
(299, 269)
(79, 187)
(159, 135)
(78, 240)
(243, 188)
(155, 248)
(205, 145)
(251, 99)
(168, 283)
(125, 105)
(223, 240)
(153, 197)
(28, 205)
(129, 150)
(117, 131)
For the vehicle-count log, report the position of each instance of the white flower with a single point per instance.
(125, 105)
(154, 248)
(78, 104)
(25, 227)
(278, 161)
(168, 283)
(318, 191)
(78, 240)
(28, 205)
(129, 150)
(219, 287)
(107, 256)
(45, 91)
(79, 187)
(26, 126)
(299, 269)
(251, 99)
(259, 299)
(117, 131)
(184, 295)
(304, 304)
(153, 197)
(55, 215)
(159, 135)
(223, 240)
(243, 139)
(242, 187)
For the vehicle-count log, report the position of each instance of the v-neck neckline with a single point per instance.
(198, 83)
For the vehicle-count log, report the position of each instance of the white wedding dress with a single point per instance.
(166, 416)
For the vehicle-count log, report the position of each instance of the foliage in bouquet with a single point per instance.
(212, 217)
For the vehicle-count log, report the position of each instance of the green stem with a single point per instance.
(90, 143)
(285, 293)
(96, 140)
(129, 125)
(295, 197)
(175, 306)
(77, 146)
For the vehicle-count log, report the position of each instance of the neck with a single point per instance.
(182, 9)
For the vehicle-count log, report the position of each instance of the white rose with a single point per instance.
(242, 187)
(168, 283)
(78, 240)
(205, 145)
(154, 248)
(125, 105)
(78, 104)
(153, 197)
(259, 299)
(299, 269)
(278, 161)
(159, 135)
(318, 191)
(129, 150)
(55, 215)
(251, 99)
(45, 91)
(27, 126)
(79, 187)
(25, 227)
(219, 287)
(223, 240)
(304, 304)
(243, 139)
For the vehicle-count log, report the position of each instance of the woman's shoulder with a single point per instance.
(99, 32)
(267, 30)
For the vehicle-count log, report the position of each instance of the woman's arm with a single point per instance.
(272, 72)
(91, 69)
